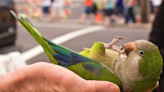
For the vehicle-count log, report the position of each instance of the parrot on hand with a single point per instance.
(137, 71)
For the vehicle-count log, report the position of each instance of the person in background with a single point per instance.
(58, 10)
(118, 12)
(45, 9)
(128, 10)
(109, 6)
(119, 7)
(94, 7)
(87, 11)
(155, 5)
(137, 11)
(100, 5)
(157, 36)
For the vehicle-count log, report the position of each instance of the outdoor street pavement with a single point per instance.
(55, 29)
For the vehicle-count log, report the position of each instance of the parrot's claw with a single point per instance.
(119, 38)
(120, 50)
(111, 45)
(115, 40)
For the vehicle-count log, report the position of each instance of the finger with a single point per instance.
(157, 84)
(101, 86)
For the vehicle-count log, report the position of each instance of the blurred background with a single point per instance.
(74, 24)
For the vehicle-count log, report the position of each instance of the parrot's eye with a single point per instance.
(141, 52)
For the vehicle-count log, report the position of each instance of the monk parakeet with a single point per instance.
(137, 71)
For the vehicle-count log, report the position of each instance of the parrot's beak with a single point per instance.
(129, 47)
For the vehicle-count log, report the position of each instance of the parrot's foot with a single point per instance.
(115, 40)
(120, 50)
(111, 45)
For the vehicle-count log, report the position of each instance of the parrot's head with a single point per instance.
(148, 58)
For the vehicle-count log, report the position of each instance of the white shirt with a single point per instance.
(46, 2)
(156, 2)
(58, 4)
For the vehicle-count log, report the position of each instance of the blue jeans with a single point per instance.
(128, 14)
(88, 10)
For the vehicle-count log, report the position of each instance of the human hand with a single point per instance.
(45, 77)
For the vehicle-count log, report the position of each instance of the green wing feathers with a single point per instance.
(92, 71)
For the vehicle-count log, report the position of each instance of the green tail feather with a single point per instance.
(36, 35)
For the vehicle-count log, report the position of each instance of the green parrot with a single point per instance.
(137, 71)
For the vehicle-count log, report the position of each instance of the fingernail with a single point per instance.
(113, 88)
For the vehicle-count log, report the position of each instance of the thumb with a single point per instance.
(101, 86)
